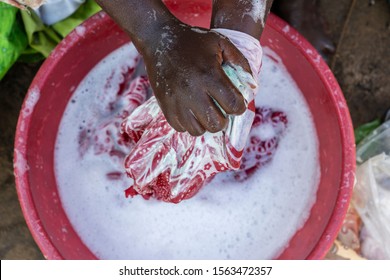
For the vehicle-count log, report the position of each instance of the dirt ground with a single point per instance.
(361, 30)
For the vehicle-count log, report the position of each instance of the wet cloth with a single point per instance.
(173, 166)
(43, 38)
(53, 11)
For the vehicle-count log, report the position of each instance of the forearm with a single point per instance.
(247, 16)
(142, 20)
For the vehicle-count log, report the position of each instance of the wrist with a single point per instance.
(142, 20)
(244, 16)
(158, 33)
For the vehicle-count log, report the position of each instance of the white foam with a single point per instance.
(286, 29)
(258, 10)
(20, 163)
(153, 15)
(198, 30)
(80, 30)
(251, 220)
(31, 101)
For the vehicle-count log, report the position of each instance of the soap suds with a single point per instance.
(31, 101)
(20, 163)
(226, 219)
(257, 11)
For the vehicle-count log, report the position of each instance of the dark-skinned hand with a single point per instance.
(185, 71)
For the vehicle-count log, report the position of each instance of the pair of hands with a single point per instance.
(185, 72)
(184, 64)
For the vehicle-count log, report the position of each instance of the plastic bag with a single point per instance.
(374, 144)
(371, 197)
(173, 166)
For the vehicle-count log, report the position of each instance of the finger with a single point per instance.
(232, 55)
(174, 120)
(210, 116)
(176, 124)
(192, 125)
(223, 91)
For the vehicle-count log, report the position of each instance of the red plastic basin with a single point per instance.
(76, 55)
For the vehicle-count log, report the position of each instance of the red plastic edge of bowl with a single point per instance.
(346, 131)
(323, 71)
(29, 210)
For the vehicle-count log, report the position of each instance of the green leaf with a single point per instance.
(13, 39)
(41, 38)
(362, 131)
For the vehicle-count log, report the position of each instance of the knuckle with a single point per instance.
(195, 132)
(236, 105)
(217, 125)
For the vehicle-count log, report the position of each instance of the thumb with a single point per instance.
(230, 54)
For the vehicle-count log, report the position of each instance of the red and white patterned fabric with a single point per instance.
(106, 138)
(260, 149)
(176, 165)
(173, 166)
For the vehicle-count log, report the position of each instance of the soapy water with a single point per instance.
(234, 216)
(172, 166)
